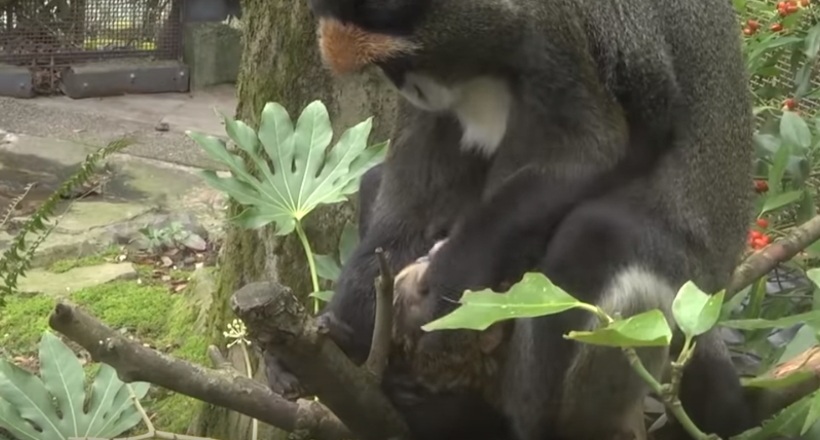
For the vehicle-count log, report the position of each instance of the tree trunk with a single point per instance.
(281, 63)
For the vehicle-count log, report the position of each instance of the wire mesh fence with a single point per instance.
(782, 77)
(47, 35)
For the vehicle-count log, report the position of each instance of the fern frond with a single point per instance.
(15, 202)
(17, 258)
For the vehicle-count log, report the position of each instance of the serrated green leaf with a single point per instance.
(254, 217)
(812, 318)
(29, 398)
(781, 200)
(695, 311)
(326, 267)
(303, 174)
(324, 295)
(533, 296)
(239, 190)
(794, 130)
(63, 377)
(243, 135)
(648, 329)
(25, 398)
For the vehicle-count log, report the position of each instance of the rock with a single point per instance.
(42, 281)
(130, 231)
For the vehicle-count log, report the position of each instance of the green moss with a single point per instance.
(129, 304)
(173, 412)
(24, 319)
(61, 266)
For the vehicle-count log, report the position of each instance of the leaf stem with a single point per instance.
(314, 277)
(670, 399)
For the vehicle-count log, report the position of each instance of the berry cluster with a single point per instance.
(751, 27)
(784, 9)
(756, 239)
(789, 104)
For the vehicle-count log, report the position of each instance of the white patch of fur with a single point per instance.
(482, 106)
(483, 110)
(635, 285)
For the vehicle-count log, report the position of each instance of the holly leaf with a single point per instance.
(533, 296)
(648, 329)
(695, 311)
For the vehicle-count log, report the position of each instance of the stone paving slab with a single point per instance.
(139, 191)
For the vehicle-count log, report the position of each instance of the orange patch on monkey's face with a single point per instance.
(347, 48)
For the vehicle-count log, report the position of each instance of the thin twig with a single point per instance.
(383, 326)
(765, 260)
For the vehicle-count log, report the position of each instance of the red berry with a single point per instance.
(761, 186)
(763, 223)
(791, 9)
(790, 103)
(777, 27)
(759, 243)
(747, 31)
(753, 25)
(781, 5)
(755, 234)
(804, 3)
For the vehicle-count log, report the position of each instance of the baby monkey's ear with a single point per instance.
(347, 48)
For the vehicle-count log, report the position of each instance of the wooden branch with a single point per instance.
(222, 387)
(281, 326)
(383, 327)
(764, 261)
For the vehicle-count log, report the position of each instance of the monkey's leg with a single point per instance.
(612, 253)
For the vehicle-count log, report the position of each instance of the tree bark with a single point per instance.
(281, 63)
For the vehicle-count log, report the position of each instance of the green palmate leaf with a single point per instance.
(695, 311)
(794, 130)
(533, 296)
(26, 400)
(302, 174)
(811, 318)
(648, 329)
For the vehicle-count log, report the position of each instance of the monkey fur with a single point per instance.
(514, 107)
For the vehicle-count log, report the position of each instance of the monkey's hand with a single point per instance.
(281, 381)
(481, 255)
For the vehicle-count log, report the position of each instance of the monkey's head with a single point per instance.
(426, 48)
(443, 360)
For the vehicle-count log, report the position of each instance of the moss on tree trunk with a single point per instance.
(281, 63)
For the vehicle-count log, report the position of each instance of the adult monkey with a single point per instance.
(497, 89)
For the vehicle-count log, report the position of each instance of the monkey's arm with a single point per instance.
(424, 183)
